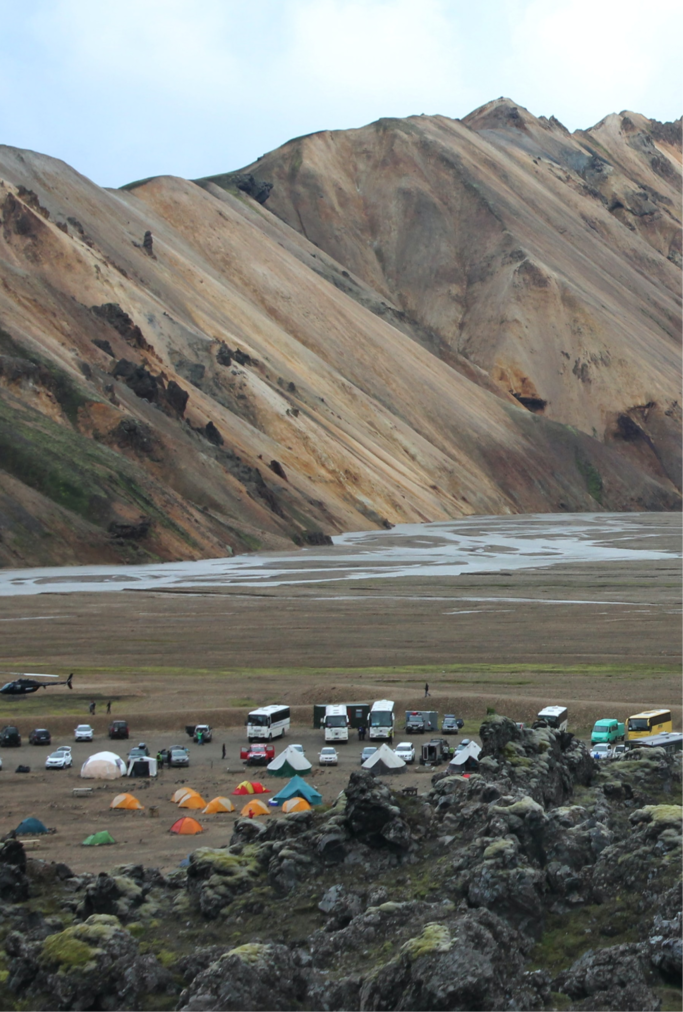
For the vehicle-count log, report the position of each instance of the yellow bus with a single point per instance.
(641, 725)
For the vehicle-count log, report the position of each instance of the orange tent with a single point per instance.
(186, 826)
(219, 805)
(247, 787)
(127, 801)
(181, 793)
(255, 808)
(296, 805)
(192, 801)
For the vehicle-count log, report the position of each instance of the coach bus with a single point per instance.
(267, 722)
(641, 725)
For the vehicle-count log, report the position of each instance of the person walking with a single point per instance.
(427, 692)
(109, 707)
(223, 751)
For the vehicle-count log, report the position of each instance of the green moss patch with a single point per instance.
(66, 951)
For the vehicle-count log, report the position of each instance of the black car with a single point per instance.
(119, 729)
(10, 737)
(40, 736)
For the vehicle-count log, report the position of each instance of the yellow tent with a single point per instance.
(127, 801)
(192, 801)
(296, 805)
(255, 807)
(219, 805)
(181, 793)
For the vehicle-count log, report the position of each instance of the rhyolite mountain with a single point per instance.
(419, 319)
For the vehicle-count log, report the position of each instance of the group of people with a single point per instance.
(93, 706)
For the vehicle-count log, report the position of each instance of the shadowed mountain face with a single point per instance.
(418, 320)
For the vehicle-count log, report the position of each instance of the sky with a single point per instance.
(128, 89)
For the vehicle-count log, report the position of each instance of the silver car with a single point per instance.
(328, 756)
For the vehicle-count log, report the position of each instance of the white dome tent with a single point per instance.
(103, 766)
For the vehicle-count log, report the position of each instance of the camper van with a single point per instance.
(336, 723)
(382, 720)
(268, 722)
(554, 716)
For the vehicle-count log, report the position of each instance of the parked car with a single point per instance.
(451, 724)
(257, 754)
(405, 750)
(463, 744)
(119, 729)
(299, 748)
(10, 737)
(601, 751)
(83, 732)
(367, 752)
(40, 736)
(620, 749)
(179, 757)
(328, 756)
(138, 752)
(0, 764)
(60, 759)
(201, 734)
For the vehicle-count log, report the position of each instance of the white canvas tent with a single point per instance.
(289, 763)
(103, 766)
(384, 760)
(459, 760)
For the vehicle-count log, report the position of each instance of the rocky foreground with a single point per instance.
(542, 882)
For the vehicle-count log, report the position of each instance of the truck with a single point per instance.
(257, 754)
(435, 751)
(419, 721)
(607, 730)
(195, 730)
(552, 716)
(336, 722)
(382, 720)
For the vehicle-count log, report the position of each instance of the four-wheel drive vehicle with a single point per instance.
(367, 752)
(405, 750)
(328, 756)
(118, 729)
(10, 737)
(138, 752)
(40, 736)
(451, 724)
(257, 754)
(435, 751)
(83, 732)
(419, 721)
(201, 734)
(178, 756)
(608, 730)
(59, 759)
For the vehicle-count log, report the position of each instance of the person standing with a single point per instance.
(223, 751)
(109, 707)
(427, 692)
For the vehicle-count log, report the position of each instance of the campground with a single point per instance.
(140, 836)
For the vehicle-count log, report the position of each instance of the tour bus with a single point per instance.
(336, 722)
(554, 716)
(382, 720)
(640, 725)
(670, 741)
(267, 722)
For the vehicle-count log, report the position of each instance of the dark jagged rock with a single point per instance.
(148, 245)
(252, 976)
(176, 397)
(613, 978)
(277, 468)
(259, 189)
(134, 435)
(139, 379)
(130, 532)
(104, 345)
(372, 815)
(212, 434)
(316, 538)
(118, 318)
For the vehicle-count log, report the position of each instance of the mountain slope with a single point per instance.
(183, 374)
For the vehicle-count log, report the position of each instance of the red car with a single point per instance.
(257, 755)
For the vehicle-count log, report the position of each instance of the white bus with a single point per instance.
(382, 720)
(554, 716)
(267, 722)
(336, 723)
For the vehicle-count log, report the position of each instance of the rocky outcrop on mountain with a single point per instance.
(473, 895)
(419, 320)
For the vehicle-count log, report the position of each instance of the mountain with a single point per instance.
(421, 319)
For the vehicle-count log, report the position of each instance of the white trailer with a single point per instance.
(336, 722)
(382, 720)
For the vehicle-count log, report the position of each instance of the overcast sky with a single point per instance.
(124, 89)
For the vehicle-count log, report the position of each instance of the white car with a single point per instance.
(405, 750)
(328, 756)
(59, 759)
(299, 748)
(601, 751)
(83, 732)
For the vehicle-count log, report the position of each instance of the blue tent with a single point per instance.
(298, 788)
(29, 827)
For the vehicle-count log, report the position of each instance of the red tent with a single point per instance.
(249, 787)
(186, 826)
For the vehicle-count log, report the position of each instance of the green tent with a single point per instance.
(298, 788)
(98, 839)
(291, 762)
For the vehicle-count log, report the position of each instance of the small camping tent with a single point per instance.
(251, 787)
(142, 766)
(186, 826)
(30, 827)
(290, 763)
(384, 760)
(98, 839)
(103, 766)
(181, 793)
(295, 805)
(127, 801)
(297, 788)
(465, 759)
(217, 805)
(192, 801)
(255, 807)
